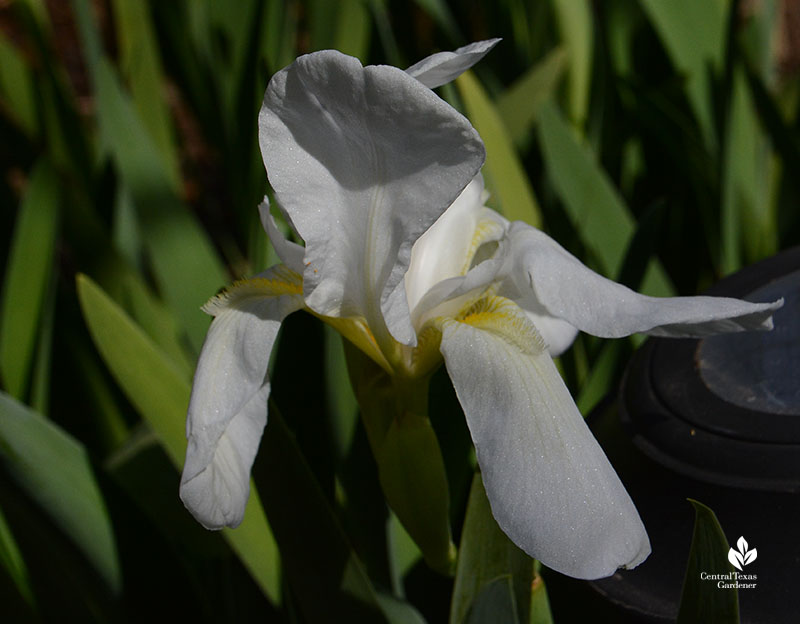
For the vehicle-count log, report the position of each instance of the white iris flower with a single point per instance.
(380, 178)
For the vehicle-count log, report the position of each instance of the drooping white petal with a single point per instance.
(363, 160)
(543, 270)
(551, 487)
(443, 67)
(290, 253)
(228, 405)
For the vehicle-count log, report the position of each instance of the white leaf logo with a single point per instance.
(742, 557)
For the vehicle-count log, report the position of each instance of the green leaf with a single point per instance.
(159, 390)
(748, 222)
(492, 572)
(353, 28)
(443, 17)
(595, 208)
(339, 393)
(28, 277)
(323, 571)
(519, 105)
(40, 378)
(693, 34)
(279, 34)
(505, 176)
(141, 67)
(11, 559)
(703, 601)
(575, 24)
(185, 263)
(16, 87)
(494, 603)
(54, 469)
(602, 376)
(540, 603)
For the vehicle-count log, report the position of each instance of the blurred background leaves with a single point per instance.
(658, 141)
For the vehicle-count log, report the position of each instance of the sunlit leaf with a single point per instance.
(505, 176)
(28, 277)
(519, 104)
(591, 201)
(54, 469)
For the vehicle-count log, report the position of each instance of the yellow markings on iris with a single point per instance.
(505, 319)
(282, 281)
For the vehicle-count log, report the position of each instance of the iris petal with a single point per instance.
(545, 274)
(363, 160)
(550, 486)
(443, 67)
(228, 405)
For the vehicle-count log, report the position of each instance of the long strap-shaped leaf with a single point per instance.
(54, 469)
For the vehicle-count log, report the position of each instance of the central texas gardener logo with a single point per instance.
(742, 557)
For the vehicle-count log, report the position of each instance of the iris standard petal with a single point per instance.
(363, 160)
(228, 405)
(566, 289)
(551, 487)
(443, 67)
(446, 249)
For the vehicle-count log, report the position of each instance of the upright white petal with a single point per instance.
(363, 160)
(228, 405)
(445, 250)
(443, 67)
(545, 272)
(551, 487)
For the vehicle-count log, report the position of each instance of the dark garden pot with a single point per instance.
(716, 420)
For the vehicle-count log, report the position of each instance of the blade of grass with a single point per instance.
(504, 173)
(27, 277)
(54, 469)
